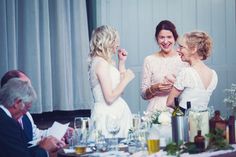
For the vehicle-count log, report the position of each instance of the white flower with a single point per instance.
(230, 98)
(164, 118)
(157, 117)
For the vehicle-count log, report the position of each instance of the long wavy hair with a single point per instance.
(103, 41)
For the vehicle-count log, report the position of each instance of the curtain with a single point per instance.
(49, 41)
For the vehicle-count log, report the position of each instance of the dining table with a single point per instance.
(161, 153)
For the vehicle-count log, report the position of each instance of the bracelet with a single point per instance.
(150, 91)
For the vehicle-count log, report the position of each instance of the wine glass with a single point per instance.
(113, 127)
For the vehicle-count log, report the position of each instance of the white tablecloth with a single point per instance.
(162, 153)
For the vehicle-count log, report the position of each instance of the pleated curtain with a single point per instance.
(49, 41)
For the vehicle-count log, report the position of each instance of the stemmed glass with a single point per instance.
(113, 127)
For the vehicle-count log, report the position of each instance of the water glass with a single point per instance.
(82, 123)
(81, 141)
(70, 139)
(82, 128)
(136, 121)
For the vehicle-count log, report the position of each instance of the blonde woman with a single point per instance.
(197, 82)
(107, 82)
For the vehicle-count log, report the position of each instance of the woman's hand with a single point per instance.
(128, 75)
(122, 55)
(171, 78)
(161, 88)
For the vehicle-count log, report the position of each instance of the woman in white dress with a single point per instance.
(197, 82)
(107, 82)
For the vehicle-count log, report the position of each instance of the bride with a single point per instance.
(107, 82)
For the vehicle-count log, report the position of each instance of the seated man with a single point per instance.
(16, 98)
(30, 129)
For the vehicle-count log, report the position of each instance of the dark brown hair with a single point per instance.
(166, 25)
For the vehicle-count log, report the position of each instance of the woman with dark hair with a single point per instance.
(161, 67)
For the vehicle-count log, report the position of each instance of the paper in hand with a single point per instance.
(58, 130)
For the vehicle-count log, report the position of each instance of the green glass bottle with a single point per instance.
(177, 111)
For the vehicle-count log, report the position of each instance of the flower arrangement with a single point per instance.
(230, 99)
(157, 117)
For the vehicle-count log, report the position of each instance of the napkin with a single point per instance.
(68, 151)
(110, 154)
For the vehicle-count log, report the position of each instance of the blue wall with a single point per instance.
(136, 21)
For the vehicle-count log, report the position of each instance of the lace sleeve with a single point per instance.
(146, 77)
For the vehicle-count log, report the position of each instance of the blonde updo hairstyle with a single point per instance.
(201, 41)
(103, 41)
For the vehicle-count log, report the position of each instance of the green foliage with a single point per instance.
(176, 149)
(191, 148)
(173, 148)
(217, 141)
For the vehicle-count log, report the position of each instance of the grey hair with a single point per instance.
(17, 89)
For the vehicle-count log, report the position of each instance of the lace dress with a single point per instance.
(155, 69)
(119, 108)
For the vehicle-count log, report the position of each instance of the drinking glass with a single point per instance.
(70, 139)
(81, 125)
(136, 121)
(113, 127)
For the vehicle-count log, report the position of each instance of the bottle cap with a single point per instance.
(217, 112)
(176, 101)
(188, 104)
(199, 132)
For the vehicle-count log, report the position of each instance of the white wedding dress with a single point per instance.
(101, 110)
